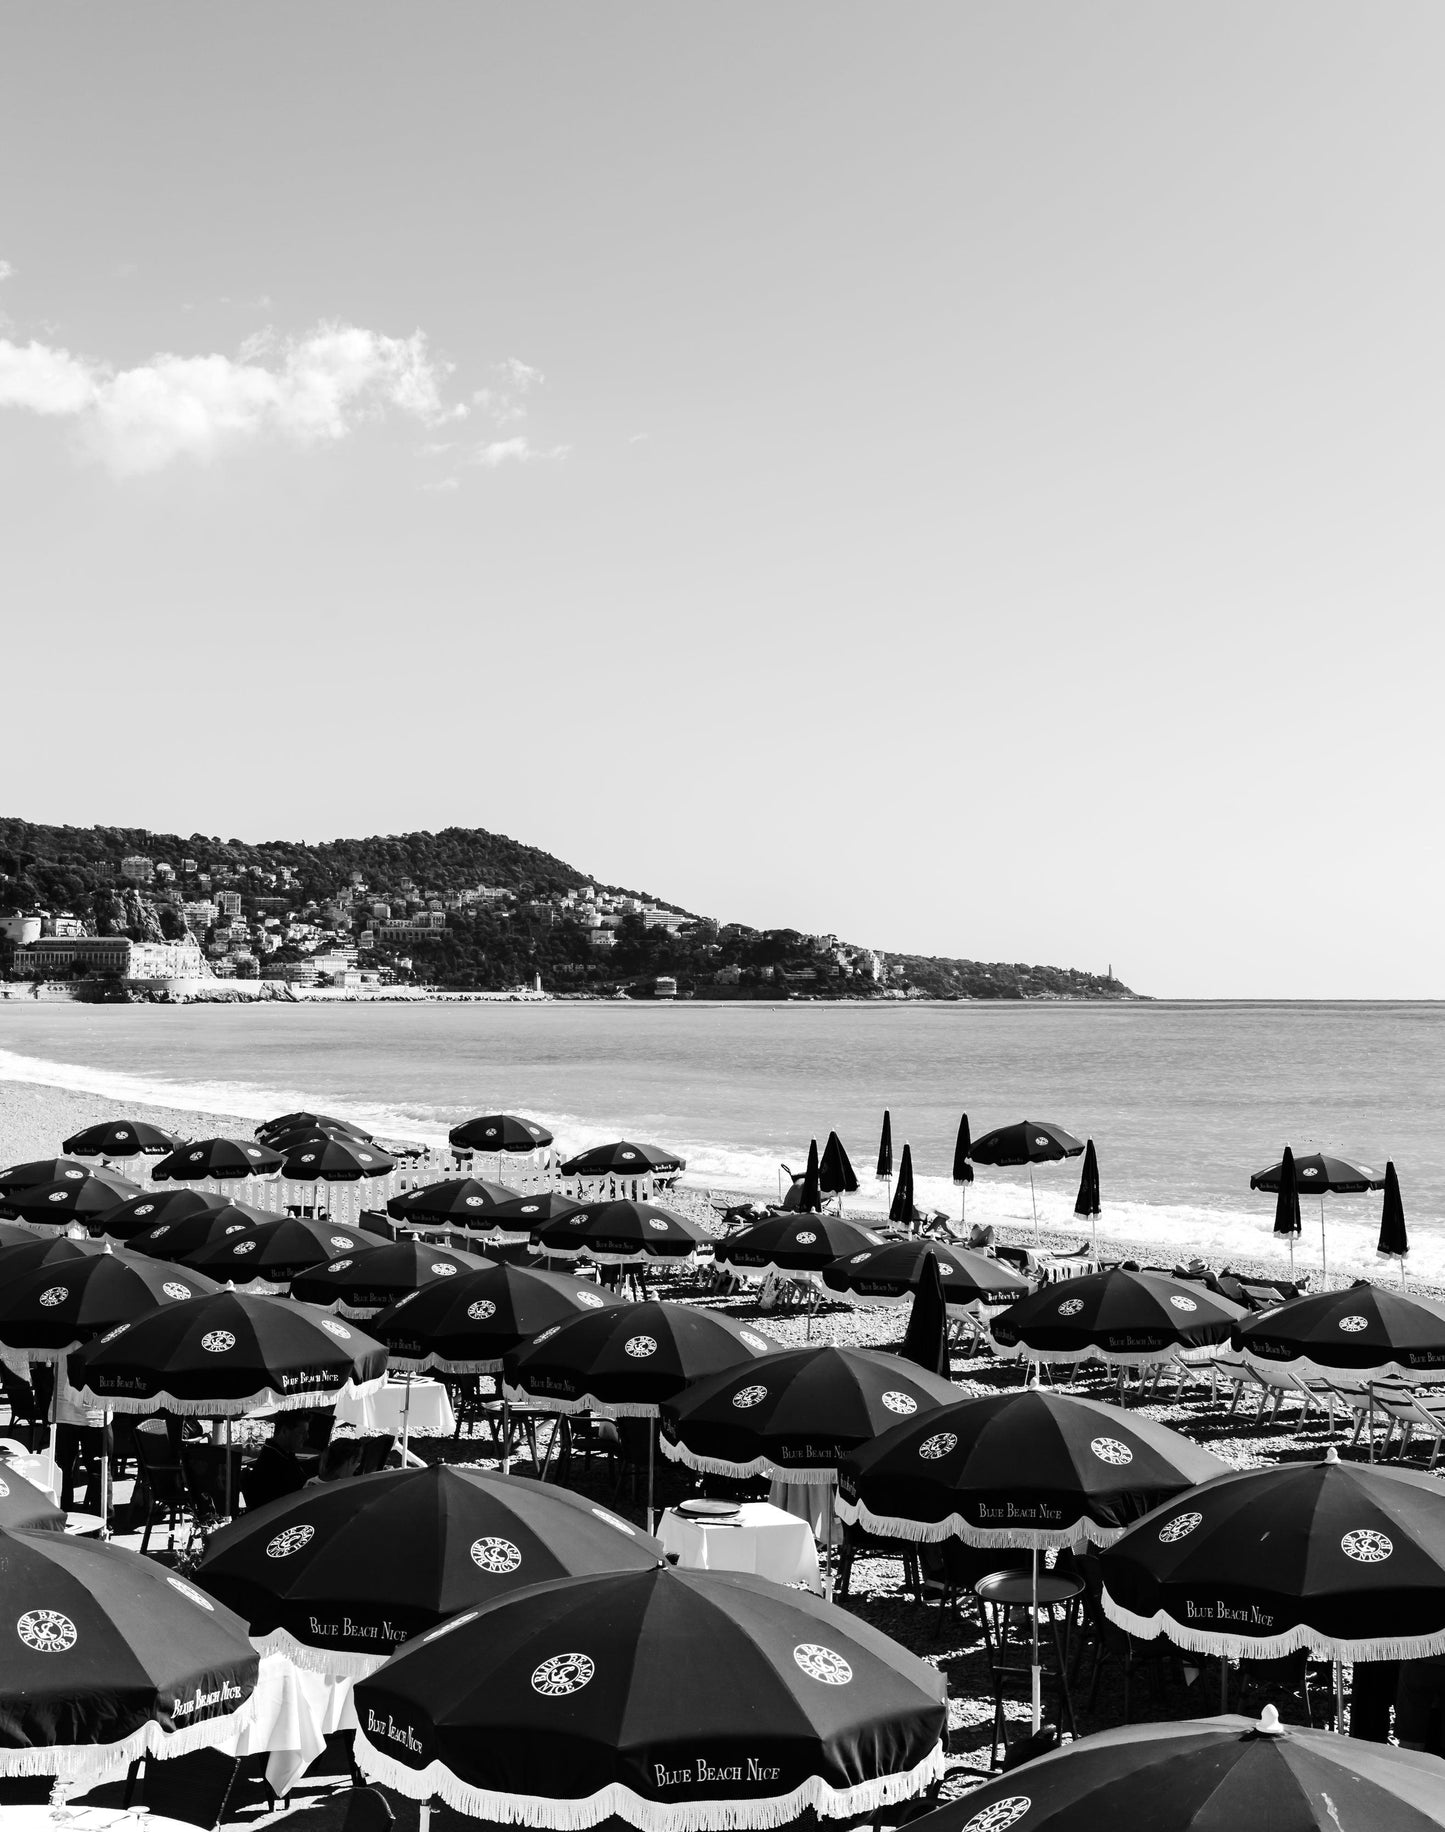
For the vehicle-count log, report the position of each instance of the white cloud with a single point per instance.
(519, 450)
(308, 390)
(7, 272)
(503, 400)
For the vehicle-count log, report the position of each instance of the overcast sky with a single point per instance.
(965, 477)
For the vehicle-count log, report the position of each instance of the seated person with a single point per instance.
(981, 1237)
(278, 1470)
(340, 1459)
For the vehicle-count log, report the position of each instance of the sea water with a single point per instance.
(1183, 1100)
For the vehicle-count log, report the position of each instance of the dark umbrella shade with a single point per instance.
(467, 1325)
(798, 1413)
(1087, 1202)
(677, 1700)
(1030, 1467)
(336, 1161)
(623, 1158)
(499, 1132)
(153, 1206)
(962, 1152)
(111, 1656)
(55, 1308)
(36, 1171)
(1128, 1318)
(463, 1202)
(20, 1258)
(210, 1160)
(885, 1149)
(318, 1578)
(288, 1123)
(215, 1220)
(1366, 1331)
(1026, 1142)
(224, 1356)
(835, 1171)
(1319, 1171)
(58, 1204)
(1347, 1559)
(273, 1252)
(27, 1508)
(629, 1360)
(794, 1243)
(1286, 1207)
(363, 1283)
(925, 1342)
(1202, 1775)
(901, 1207)
(888, 1274)
(1394, 1243)
(620, 1233)
(120, 1139)
(810, 1196)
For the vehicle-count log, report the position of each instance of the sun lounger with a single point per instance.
(1412, 1413)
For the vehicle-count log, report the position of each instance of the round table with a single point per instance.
(84, 1526)
(1018, 1589)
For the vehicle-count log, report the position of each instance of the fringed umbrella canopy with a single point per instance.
(1129, 1319)
(1367, 1332)
(123, 1138)
(468, 1324)
(500, 1132)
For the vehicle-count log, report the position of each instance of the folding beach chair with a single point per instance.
(1352, 1396)
(1393, 1401)
(1414, 1413)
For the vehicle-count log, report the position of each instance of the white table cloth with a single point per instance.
(765, 1540)
(429, 1414)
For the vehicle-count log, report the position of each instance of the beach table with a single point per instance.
(372, 1415)
(760, 1538)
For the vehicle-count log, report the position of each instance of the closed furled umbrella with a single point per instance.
(120, 1139)
(1128, 1319)
(901, 1207)
(1394, 1242)
(1320, 1173)
(215, 1160)
(268, 1256)
(884, 1171)
(370, 1280)
(1086, 1203)
(468, 1324)
(169, 1239)
(316, 1574)
(151, 1206)
(1027, 1142)
(1364, 1331)
(925, 1342)
(810, 1195)
(1286, 1206)
(495, 1132)
(889, 1274)
(835, 1173)
(962, 1168)
(1201, 1774)
(620, 1234)
(689, 1700)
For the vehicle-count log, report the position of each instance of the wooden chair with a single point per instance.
(27, 1414)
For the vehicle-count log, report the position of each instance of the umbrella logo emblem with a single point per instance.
(194, 1595)
(823, 1664)
(1366, 1546)
(658, 1226)
(757, 1344)
(627, 1156)
(57, 1196)
(1179, 1528)
(308, 1157)
(1000, 1814)
(57, 1294)
(442, 1270)
(1110, 1450)
(341, 1240)
(1183, 1303)
(121, 1133)
(589, 1300)
(146, 1208)
(857, 1259)
(4, 1490)
(903, 1403)
(217, 1341)
(474, 1202)
(173, 1288)
(291, 1540)
(338, 1265)
(499, 1556)
(161, 1227)
(562, 1674)
(530, 1208)
(74, 1176)
(1309, 1170)
(613, 1521)
(939, 1445)
(244, 1246)
(335, 1329)
(806, 1238)
(251, 1152)
(1071, 1307)
(236, 1227)
(46, 1631)
(640, 1347)
(196, 1156)
(119, 1330)
(364, 1157)
(1040, 1139)
(547, 1334)
(749, 1396)
(1354, 1324)
(481, 1310)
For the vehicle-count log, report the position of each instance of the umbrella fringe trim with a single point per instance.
(611, 1408)
(759, 1466)
(1316, 1370)
(92, 1762)
(1271, 1647)
(954, 1526)
(263, 1397)
(1133, 1358)
(332, 1663)
(437, 1781)
(429, 1363)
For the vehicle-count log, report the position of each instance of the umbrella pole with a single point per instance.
(651, 1441)
(1339, 1696)
(229, 1508)
(1324, 1268)
(1035, 1677)
(1223, 1683)
(1034, 1205)
(406, 1420)
(506, 1436)
(828, 1539)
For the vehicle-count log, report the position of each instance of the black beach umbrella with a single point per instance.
(310, 1122)
(1201, 1774)
(13, 1235)
(336, 1161)
(273, 1252)
(27, 1508)
(19, 1258)
(1125, 1318)
(169, 1239)
(362, 1283)
(56, 1205)
(925, 1342)
(1286, 1207)
(796, 1414)
(810, 1196)
(1028, 1467)
(626, 1361)
(1319, 1173)
(624, 1158)
(151, 1206)
(316, 1574)
(212, 1160)
(500, 1132)
(620, 1233)
(1027, 1142)
(1365, 1331)
(889, 1274)
(524, 1213)
(224, 1356)
(1087, 1203)
(793, 1244)
(679, 1698)
(468, 1324)
(962, 1167)
(300, 1136)
(1394, 1243)
(901, 1207)
(31, 1175)
(1347, 1559)
(57, 1307)
(835, 1172)
(112, 1657)
(463, 1202)
(124, 1138)
(885, 1149)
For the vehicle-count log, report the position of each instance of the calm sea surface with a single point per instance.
(1182, 1100)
